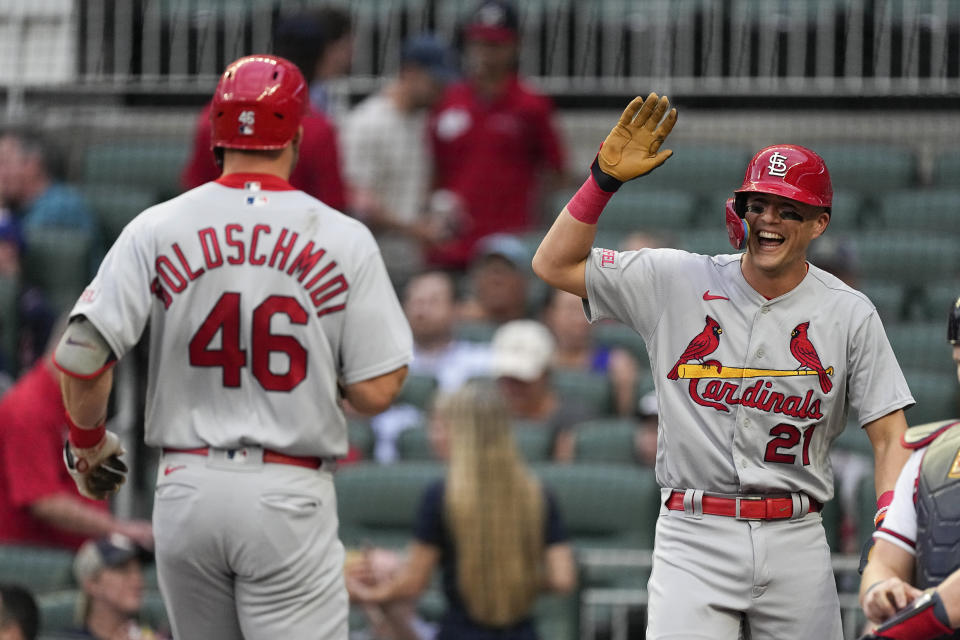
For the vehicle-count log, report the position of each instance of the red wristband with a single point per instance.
(588, 202)
(84, 438)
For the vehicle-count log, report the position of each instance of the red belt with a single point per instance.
(743, 507)
(268, 456)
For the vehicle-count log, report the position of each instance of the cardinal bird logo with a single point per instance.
(705, 343)
(804, 351)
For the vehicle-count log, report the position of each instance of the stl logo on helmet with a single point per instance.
(246, 119)
(778, 165)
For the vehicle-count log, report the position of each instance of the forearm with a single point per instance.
(561, 258)
(70, 514)
(86, 400)
(875, 573)
(374, 396)
(949, 591)
(889, 455)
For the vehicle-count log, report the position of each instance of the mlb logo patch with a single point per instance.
(608, 259)
(246, 120)
(256, 201)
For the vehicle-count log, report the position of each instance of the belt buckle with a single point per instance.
(738, 499)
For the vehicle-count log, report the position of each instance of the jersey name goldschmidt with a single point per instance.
(260, 301)
(751, 391)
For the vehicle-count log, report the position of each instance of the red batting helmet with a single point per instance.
(787, 170)
(258, 104)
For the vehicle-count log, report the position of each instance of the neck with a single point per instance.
(538, 406)
(107, 622)
(400, 99)
(280, 166)
(772, 285)
(491, 85)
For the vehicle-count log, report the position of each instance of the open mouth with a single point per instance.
(769, 239)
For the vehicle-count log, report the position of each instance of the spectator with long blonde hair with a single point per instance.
(489, 524)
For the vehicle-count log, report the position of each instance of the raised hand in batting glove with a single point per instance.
(97, 469)
(633, 147)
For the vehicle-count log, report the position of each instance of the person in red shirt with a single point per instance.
(39, 503)
(493, 137)
(301, 39)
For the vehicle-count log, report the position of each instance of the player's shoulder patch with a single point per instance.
(921, 435)
(608, 258)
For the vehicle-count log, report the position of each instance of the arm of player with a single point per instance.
(631, 150)
(375, 395)
(885, 585)
(888, 454)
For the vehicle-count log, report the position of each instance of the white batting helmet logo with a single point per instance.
(778, 165)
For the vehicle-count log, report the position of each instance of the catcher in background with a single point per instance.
(918, 545)
(490, 526)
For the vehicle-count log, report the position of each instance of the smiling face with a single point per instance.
(780, 232)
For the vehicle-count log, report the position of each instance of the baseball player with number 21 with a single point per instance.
(265, 307)
(755, 356)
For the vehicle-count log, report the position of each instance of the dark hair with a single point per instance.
(18, 606)
(36, 144)
(303, 38)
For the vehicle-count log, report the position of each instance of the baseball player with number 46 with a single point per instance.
(265, 306)
(757, 358)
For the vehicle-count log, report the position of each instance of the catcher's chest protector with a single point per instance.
(938, 511)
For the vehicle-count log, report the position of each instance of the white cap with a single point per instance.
(522, 349)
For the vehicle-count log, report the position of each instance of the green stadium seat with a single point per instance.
(933, 210)
(616, 335)
(910, 258)
(708, 242)
(58, 261)
(152, 165)
(533, 440)
(40, 569)
(117, 206)
(413, 445)
(869, 167)
(360, 436)
(867, 504)
(475, 331)
(854, 439)
(846, 211)
(702, 169)
(58, 610)
(9, 294)
(418, 390)
(638, 208)
(922, 345)
(377, 503)
(935, 393)
(946, 169)
(832, 515)
(604, 506)
(605, 440)
(939, 297)
(888, 297)
(590, 389)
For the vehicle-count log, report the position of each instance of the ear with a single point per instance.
(821, 224)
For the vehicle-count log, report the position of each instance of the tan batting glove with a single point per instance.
(98, 471)
(633, 147)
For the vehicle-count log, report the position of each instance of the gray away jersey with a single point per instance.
(752, 392)
(259, 302)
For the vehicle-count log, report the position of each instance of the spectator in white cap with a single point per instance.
(522, 353)
(109, 572)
